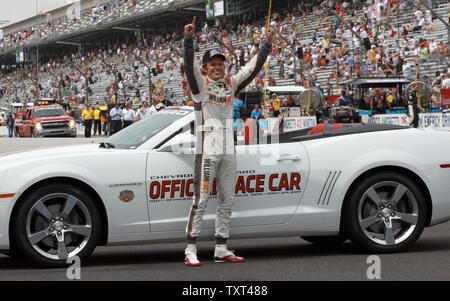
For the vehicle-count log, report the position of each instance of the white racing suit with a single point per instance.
(215, 155)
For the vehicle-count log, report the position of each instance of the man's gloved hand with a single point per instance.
(189, 29)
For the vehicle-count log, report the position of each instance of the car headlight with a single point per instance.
(72, 124)
(38, 126)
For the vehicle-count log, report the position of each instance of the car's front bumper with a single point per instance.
(6, 203)
(55, 132)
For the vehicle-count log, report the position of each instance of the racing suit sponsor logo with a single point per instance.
(205, 187)
(248, 184)
(218, 99)
(206, 175)
(219, 93)
(219, 88)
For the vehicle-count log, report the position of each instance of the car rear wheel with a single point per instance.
(55, 223)
(385, 213)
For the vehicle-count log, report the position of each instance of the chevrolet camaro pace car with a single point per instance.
(378, 185)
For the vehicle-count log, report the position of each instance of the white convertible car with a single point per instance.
(377, 185)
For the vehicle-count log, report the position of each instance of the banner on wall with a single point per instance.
(297, 123)
(398, 119)
(426, 120)
(290, 111)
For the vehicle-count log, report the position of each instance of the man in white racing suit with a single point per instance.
(215, 156)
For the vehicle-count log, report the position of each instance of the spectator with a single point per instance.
(238, 107)
(116, 119)
(129, 116)
(275, 104)
(423, 53)
(390, 100)
(446, 81)
(413, 107)
(257, 113)
(10, 123)
(143, 112)
(437, 80)
(377, 105)
(88, 117)
(97, 121)
(153, 108)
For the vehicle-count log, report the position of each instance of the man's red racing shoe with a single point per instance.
(225, 255)
(191, 258)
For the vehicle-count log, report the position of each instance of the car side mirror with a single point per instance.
(180, 144)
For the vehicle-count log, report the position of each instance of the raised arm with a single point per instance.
(193, 75)
(251, 70)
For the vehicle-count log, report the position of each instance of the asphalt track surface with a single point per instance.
(279, 259)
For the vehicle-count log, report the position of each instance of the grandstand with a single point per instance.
(71, 49)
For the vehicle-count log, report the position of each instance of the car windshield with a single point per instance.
(141, 131)
(48, 112)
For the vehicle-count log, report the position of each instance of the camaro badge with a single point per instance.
(126, 196)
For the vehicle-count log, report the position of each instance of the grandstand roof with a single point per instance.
(161, 17)
(16, 24)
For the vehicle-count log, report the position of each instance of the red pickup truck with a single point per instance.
(43, 121)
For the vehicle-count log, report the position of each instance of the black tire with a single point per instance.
(326, 241)
(375, 232)
(84, 214)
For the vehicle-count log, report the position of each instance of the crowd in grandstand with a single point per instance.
(33, 32)
(356, 48)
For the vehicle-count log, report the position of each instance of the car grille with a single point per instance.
(55, 124)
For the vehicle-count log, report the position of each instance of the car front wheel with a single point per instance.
(55, 223)
(385, 213)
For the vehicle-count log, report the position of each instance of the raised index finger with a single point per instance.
(193, 21)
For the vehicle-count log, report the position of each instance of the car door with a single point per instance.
(271, 179)
(270, 182)
(29, 123)
(23, 128)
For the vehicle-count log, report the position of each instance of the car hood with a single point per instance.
(53, 118)
(27, 155)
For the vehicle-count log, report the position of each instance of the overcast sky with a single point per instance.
(11, 10)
